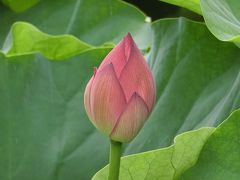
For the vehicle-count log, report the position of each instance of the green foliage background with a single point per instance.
(47, 57)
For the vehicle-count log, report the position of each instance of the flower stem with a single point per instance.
(114, 160)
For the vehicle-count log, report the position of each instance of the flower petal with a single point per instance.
(87, 98)
(137, 77)
(131, 120)
(119, 55)
(107, 99)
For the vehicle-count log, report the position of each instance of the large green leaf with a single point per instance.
(223, 18)
(165, 164)
(198, 82)
(26, 39)
(45, 133)
(219, 159)
(43, 127)
(93, 21)
(19, 5)
(193, 5)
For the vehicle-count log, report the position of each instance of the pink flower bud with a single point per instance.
(120, 95)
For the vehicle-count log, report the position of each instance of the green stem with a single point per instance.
(114, 160)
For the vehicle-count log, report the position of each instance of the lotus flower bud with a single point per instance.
(121, 93)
